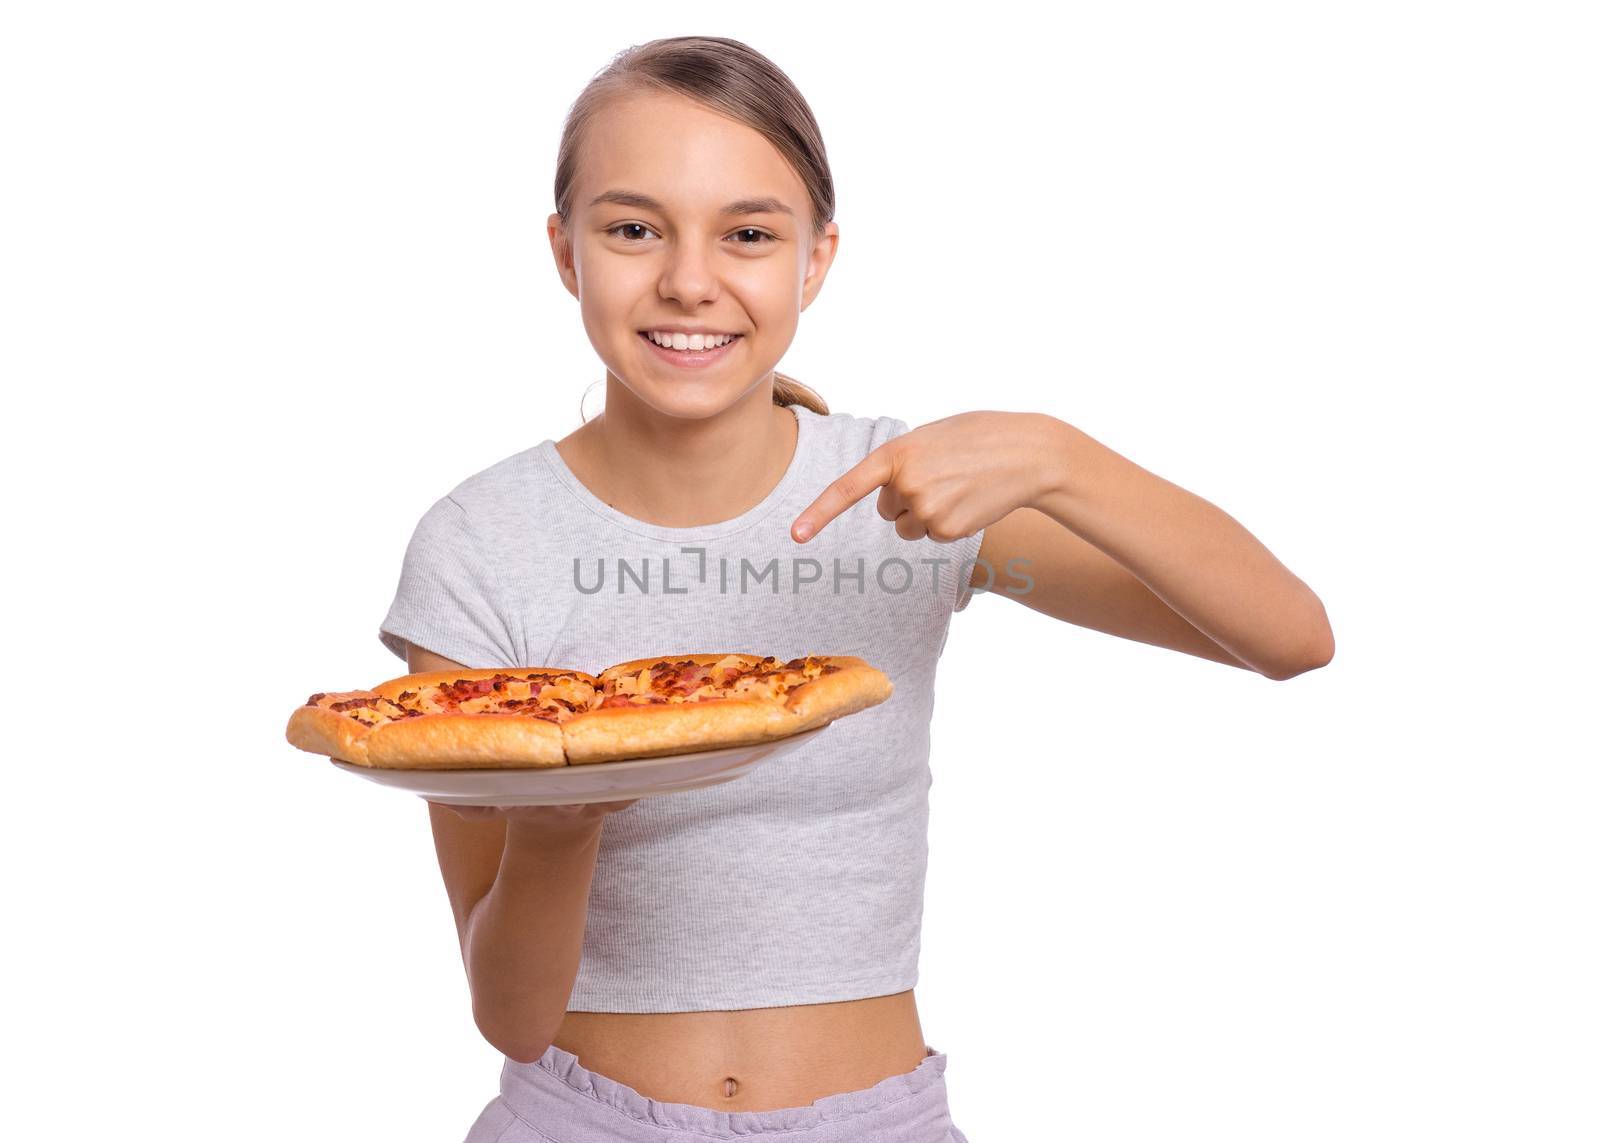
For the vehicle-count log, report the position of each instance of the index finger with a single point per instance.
(872, 471)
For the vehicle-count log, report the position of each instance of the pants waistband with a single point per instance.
(562, 1090)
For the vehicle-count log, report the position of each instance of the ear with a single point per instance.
(820, 258)
(561, 249)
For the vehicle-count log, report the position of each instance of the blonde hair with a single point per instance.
(731, 78)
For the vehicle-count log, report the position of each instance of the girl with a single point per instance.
(740, 959)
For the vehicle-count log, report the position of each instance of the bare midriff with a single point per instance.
(754, 1059)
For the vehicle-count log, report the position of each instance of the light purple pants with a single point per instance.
(558, 1100)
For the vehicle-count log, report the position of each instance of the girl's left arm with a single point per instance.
(1105, 543)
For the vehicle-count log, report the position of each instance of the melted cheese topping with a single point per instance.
(687, 681)
(558, 697)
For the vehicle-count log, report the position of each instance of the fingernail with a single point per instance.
(802, 531)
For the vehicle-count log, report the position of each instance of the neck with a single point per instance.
(681, 473)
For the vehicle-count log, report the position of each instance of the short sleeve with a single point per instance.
(885, 430)
(965, 558)
(448, 597)
(962, 553)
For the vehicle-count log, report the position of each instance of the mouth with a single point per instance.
(691, 358)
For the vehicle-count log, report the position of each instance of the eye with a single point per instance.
(758, 233)
(626, 225)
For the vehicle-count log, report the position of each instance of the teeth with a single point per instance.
(689, 341)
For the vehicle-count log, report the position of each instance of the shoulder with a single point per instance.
(847, 437)
(486, 495)
(482, 513)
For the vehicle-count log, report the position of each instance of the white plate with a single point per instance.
(590, 782)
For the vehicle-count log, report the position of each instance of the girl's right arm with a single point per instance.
(518, 878)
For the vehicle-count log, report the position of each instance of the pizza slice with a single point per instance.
(698, 702)
(447, 720)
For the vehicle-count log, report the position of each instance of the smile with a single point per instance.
(691, 358)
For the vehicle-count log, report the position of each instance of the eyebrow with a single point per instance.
(739, 206)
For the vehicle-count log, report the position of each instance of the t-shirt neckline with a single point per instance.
(804, 419)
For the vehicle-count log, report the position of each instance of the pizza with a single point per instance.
(524, 717)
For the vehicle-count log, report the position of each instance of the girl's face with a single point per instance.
(700, 224)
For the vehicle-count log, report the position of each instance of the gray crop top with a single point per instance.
(800, 882)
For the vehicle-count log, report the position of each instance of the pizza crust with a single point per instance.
(653, 729)
(466, 742)
(855, 686)
(324, 731)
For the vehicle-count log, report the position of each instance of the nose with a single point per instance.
(688, 277)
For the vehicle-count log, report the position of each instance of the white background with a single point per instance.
(276, 277)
